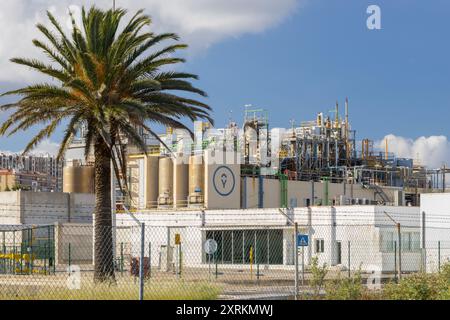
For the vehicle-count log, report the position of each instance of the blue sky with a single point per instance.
(397, 78)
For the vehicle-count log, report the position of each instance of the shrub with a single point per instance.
(419, 286)
(345, 288)
(318, 275)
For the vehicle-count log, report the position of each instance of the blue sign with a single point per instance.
(302, 240)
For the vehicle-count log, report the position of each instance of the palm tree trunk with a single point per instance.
(103, 255)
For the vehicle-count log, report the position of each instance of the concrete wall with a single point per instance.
(10, 212)
(44, 208)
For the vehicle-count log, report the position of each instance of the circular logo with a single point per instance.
(210, 246)
(224, 181)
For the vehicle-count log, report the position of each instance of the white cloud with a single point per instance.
(432, 151)
(201, 23)
(45, 147)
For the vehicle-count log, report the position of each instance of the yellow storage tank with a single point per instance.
(165, 197)
(78, 179)
(196, 180)
(152, 188)
(181, 184)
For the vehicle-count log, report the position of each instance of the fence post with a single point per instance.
(423, 244)
(121, 258)
(141, 264)
(348, 259)
(439, 256)
(395, 261)
(45, 259)
(149, 259)
(257, 272)
(399, 251)
(217, 270)
(70, 256)
(296, 260)
(251, 262)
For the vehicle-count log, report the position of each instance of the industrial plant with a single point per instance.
(319, 162)
(243, 186)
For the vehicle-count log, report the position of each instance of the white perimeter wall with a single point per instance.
(45, 208)
(436, 207)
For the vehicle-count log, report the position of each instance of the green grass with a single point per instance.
(169, 290)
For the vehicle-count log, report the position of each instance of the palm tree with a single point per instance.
(108, 79)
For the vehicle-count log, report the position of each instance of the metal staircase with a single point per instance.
(378, 191)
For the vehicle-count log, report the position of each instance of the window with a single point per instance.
(410, 241)
(389, 241)
(319, 245)
(234, 246)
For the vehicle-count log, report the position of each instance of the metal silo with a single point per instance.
(78, 179)
(196, 180)
(152, 188)
(181, 184)
(165, 197)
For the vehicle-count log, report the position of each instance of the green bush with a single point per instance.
(345, 288)
(318, 276)
(420, 286)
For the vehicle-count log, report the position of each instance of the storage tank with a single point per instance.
(152, 188)
(165, 181)
(196, 180)
(181, 184)
(78, 179)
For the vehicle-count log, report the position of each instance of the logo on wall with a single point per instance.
(224, 181)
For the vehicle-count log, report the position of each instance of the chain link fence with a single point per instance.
(191, 260)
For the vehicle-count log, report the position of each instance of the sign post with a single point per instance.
(178, 244)
(210, 248)
(303, 241)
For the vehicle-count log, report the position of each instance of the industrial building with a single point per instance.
(316, 163)
(435, 226)
(356, 237)
(229, 184)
